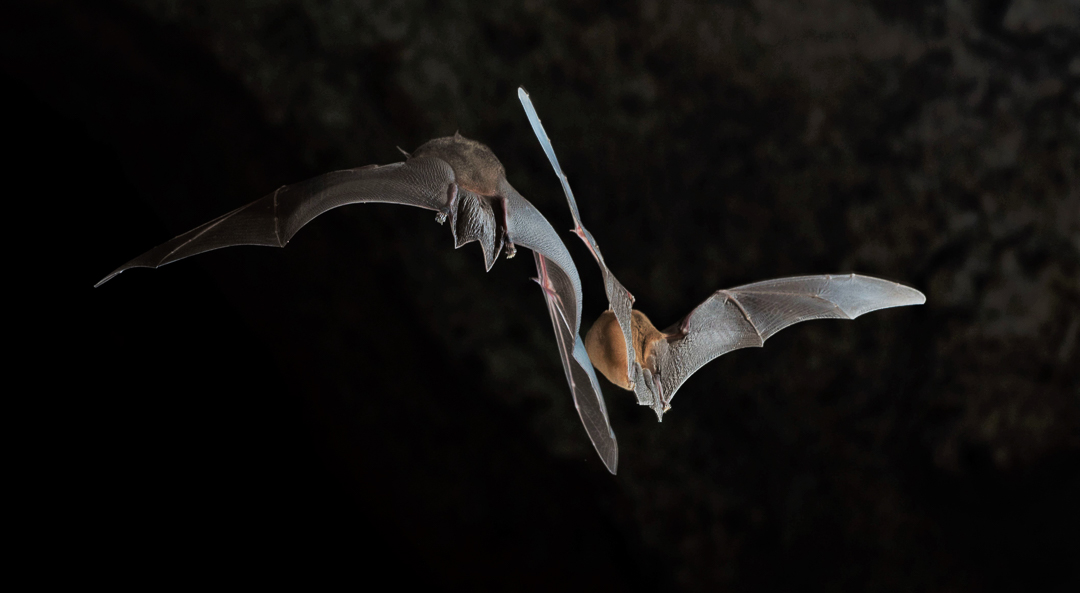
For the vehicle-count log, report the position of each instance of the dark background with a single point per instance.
(370, 403)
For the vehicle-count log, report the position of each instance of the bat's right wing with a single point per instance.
(748, 315)
(558, 278)
(425, 182)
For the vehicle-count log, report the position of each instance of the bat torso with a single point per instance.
(607, 351)
(476, 168)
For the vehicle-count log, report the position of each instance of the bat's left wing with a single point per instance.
(620, 301)
(748, 315)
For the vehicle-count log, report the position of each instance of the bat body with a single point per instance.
(627, 349)
(465, 184)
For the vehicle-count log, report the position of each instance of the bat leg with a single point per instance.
(552, 295)
(451, 206)
(508, 242)
(580, 232)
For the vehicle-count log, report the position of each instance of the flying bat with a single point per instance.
(630, 352)
(465, 184)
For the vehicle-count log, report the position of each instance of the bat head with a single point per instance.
(476, 168)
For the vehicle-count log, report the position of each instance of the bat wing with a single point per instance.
(424, 182)
(558, 278)
(620, 301)
(430, 183)
(748, 315)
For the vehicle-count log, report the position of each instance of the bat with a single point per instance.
(630, 352)
(464, 183)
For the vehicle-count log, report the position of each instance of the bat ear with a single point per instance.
(407, 155)
(457, 134)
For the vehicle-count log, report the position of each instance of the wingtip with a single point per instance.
(612, 461)
(612, 465)
(107, 278)
(915, 296)
(902, 294)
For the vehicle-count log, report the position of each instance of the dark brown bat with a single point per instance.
(464, 183)
(625, 346)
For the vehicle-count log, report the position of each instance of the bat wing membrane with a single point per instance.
(272, 220)
(746, 316)
(558, 277)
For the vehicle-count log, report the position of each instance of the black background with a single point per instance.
(369, 403)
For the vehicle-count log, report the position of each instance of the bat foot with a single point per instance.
(660, 407)
(511, 250)
(652, 394)
(451, 204)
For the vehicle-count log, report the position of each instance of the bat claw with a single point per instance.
(511, 250)
(440, 217)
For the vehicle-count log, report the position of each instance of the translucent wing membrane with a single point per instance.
(588, 399)
(274, 219)
(559, 279)
(746, 316)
